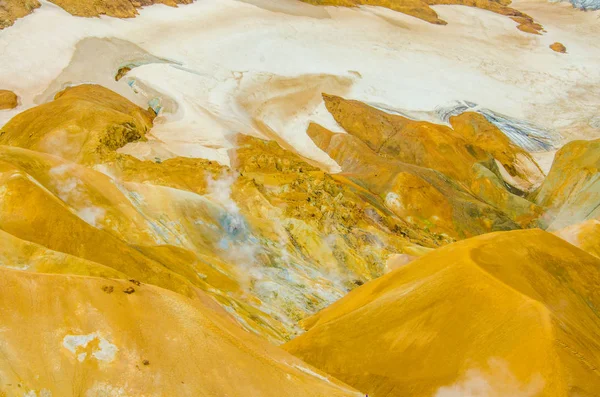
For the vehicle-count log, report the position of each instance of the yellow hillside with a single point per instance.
(516, 165)
(74, 336)
(513, 313)
(456, 182)
(452, 151)
(571, 190)
(14, 9)
(113, 8)
(423, 197)
(82, 124)
(272, 239)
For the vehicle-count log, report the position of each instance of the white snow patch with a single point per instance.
(72, 191)
(497, 381)
(102, 389)
(392, 200)
(92, 215)
(312, 373)
(105, 350)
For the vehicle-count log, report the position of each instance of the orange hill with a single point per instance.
(516, 312)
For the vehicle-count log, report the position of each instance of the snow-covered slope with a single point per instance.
(221, 67)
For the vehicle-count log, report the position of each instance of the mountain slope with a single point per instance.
(82, 124)
(273, 239)
(113, 8)
(526, 300)
(74, 336)
(572, 189)
(474, 175)
(14, 9)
